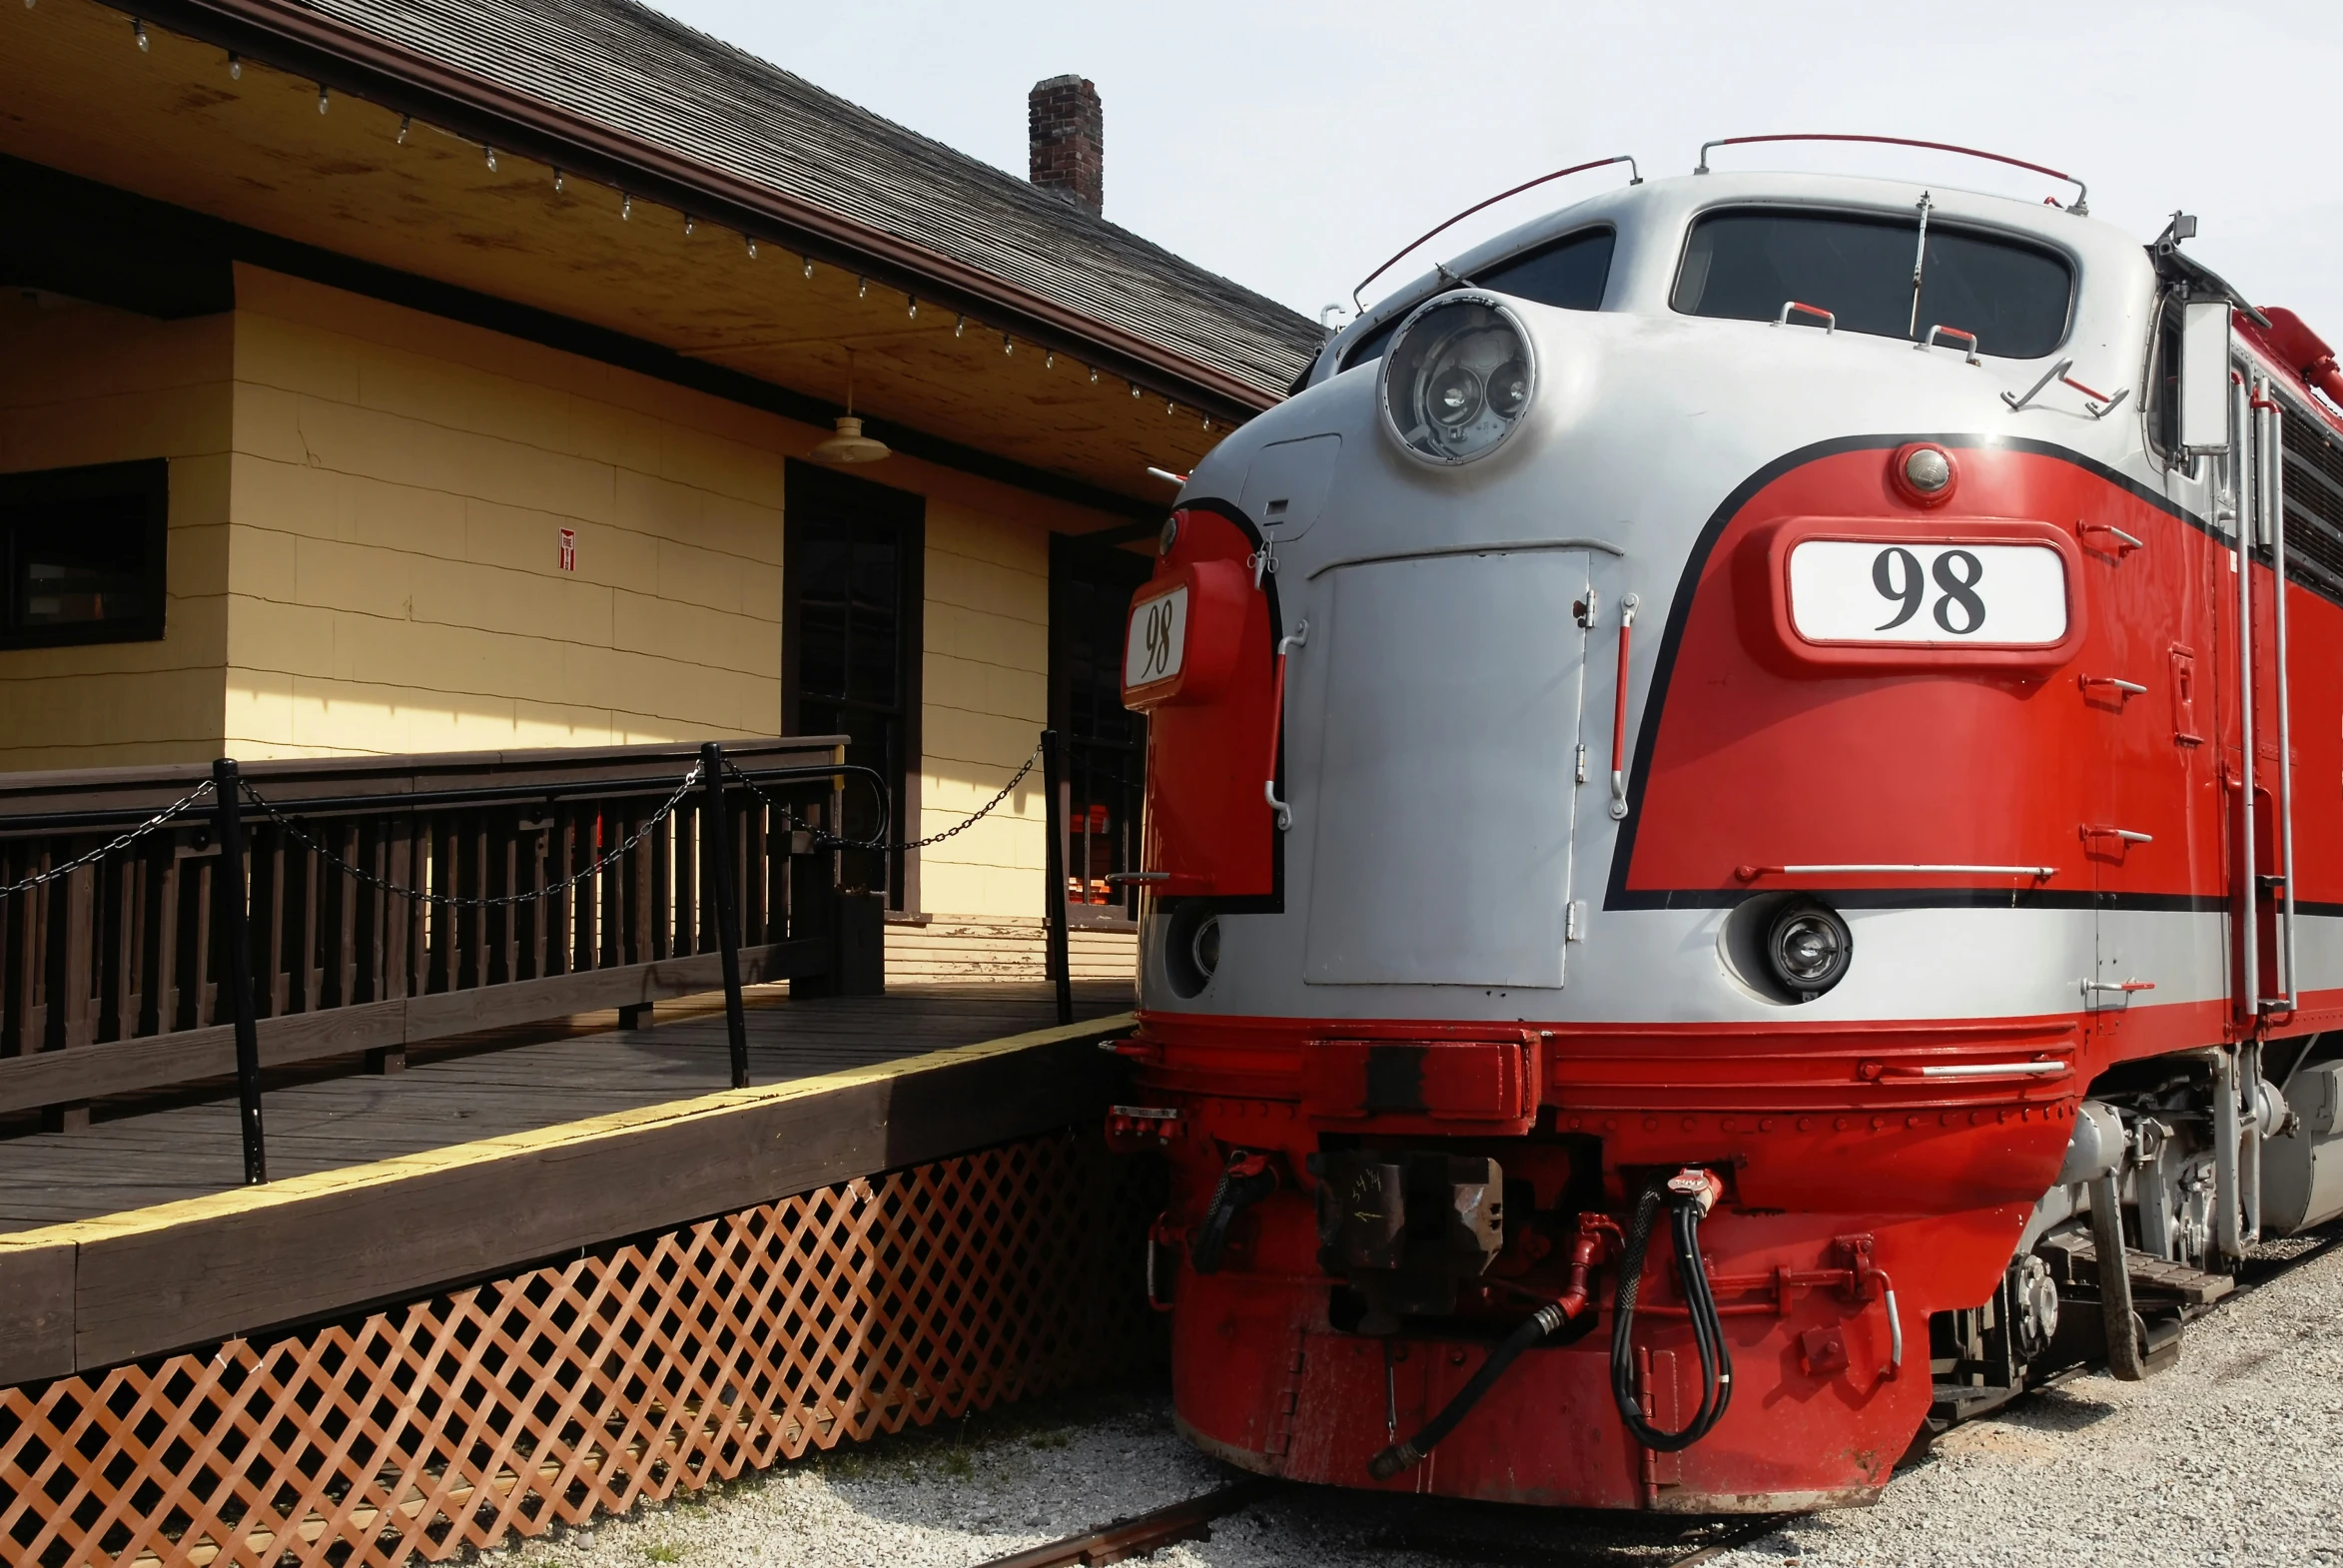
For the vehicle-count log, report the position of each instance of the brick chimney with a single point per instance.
(1067, 129)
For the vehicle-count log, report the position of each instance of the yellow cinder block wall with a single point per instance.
(82, 384)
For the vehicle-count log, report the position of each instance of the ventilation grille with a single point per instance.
(2314, 504)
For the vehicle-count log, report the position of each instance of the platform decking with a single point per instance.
(488, 1088)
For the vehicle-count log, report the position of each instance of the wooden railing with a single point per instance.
(116, 977)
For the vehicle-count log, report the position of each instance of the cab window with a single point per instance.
(1746, 263)
(1570, 274)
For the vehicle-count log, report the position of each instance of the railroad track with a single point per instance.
(1147, 1533)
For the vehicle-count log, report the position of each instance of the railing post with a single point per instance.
(231, 897)
(1053, 858)
(716, 834)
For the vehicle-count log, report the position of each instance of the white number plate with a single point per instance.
(2008, 595)
(1157, 640)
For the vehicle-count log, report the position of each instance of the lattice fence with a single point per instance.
(579, 1389)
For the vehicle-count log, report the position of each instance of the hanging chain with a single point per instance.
(292, 830)
(124, 842)
(824, 840)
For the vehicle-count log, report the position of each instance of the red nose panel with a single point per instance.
(1208, 823)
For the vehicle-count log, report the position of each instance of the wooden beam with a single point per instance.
(36, 1308)
(254, 1259)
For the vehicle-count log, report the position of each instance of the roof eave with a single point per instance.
(355, 63)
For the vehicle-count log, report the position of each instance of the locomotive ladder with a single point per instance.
(2257, 472)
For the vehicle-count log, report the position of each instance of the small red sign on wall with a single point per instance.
(570, 549)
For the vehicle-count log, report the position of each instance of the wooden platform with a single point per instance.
(134, 1237)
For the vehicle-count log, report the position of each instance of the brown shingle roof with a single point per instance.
(630, 70)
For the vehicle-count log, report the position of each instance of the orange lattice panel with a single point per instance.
(720, 1348)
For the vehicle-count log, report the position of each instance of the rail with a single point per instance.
(373, 903)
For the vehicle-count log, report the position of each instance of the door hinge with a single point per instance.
(1582, 762)
(1574, 921)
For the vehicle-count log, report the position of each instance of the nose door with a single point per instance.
(1447, 770)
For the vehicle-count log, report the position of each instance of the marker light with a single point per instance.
(1924, 473)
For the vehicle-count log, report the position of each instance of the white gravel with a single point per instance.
(2233, 1457)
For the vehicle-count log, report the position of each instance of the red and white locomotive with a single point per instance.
(1743, 846)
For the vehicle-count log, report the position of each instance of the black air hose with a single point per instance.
(1708, 1329)
(1400, 1456)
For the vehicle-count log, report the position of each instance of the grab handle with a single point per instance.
(1627, 604)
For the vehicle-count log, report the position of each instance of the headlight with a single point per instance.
(1809, 947)
(1204, 949)
(1458, 378)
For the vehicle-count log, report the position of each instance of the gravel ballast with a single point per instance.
(2234, 1456)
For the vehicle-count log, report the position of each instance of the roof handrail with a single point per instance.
(1634, 176)
(2081, 209)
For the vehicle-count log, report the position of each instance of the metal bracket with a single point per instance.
(2097, 403)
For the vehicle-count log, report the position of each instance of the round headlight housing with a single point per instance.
(1457, 380)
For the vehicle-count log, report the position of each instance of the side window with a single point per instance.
(1370, 347)
(2163, 379)
(82, 553)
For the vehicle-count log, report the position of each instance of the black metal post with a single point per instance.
(716, 833)
(231, 907)
(1054, 857)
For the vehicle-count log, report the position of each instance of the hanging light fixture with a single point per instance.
(850, 444)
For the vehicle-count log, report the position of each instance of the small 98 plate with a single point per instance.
(1156, 644)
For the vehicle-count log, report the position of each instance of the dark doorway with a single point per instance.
(850, 652)
(1105, 744)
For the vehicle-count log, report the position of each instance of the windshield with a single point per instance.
(1747, 265)
(1569, 273)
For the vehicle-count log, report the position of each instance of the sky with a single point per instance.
(1291, 145)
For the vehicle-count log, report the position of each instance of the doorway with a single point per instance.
(1103, 746)
(851, 633)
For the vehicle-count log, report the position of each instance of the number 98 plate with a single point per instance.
(1881, 591)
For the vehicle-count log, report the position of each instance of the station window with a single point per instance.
(82, 552)
(1746, 264)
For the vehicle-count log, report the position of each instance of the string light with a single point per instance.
(752, 246)
(913, 301)
(959, 325)
(689, 224)
(138, 30)
(1170, 408)
(556, 182)
(625, 206)
(235, 67)
(809, 265)
(1007, 344)
(1134, 390)
(321, 97)
(405, 124)
(1094, 376)
(861, 286)
(491, 152)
